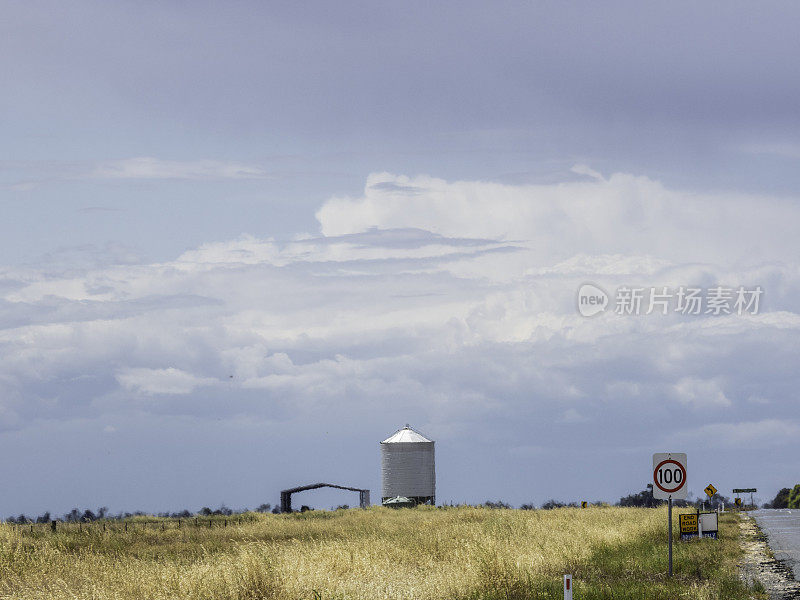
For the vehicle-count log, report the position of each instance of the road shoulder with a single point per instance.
(759, 566)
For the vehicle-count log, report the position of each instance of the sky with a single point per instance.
(243, 243)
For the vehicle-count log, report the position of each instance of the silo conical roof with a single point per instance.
(406, 435)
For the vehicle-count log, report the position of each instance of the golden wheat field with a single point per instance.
(425, 554)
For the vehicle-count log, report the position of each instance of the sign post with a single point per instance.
(669, 483)
(750, 491)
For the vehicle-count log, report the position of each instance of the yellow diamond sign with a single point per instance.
(711, 490)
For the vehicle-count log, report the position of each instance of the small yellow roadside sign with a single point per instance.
(688, 523)
(584, 504)
(711, 490)
(738, 502)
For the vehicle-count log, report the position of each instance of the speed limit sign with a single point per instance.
(669, 476)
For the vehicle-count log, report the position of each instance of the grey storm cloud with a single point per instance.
(214, 281)
(397, 314)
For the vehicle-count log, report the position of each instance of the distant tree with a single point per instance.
(305, 508)
(527, 507)
(88, 516)
(343, 507)
(264, 508)
(498, 504)
(643, 498)
(102, 512)
(19, 519)
(551, 504)
(794, 497)
(73, 516)
(205, 511)
(184, 514)
(781, 499)
(719, 500)
(276, 510)
(43, 518)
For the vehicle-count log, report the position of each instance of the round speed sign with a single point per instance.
(669, 475)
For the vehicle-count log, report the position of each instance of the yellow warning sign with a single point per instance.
(584, 504)
(711, 490)
(688, 523)
(738, 502)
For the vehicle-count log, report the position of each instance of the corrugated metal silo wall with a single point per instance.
(408, 469)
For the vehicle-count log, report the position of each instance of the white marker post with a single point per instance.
(669, 483)
(567, 587)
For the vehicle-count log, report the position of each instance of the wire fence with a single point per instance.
(129, 525)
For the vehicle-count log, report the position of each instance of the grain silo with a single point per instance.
(407, 467)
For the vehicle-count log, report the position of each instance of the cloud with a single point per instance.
(627, 215)
(465, 325)
(779, 149)
(701, 393)
(146, 167)
(572, 416)
(746, 434)
(161, 381)
(588, 171)
(24, 186)
(98, 209)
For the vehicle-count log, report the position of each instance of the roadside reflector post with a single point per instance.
(567, 587)
(700, 528)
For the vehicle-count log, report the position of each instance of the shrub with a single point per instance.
(794, 497)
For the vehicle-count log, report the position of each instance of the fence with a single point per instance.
(124, 526)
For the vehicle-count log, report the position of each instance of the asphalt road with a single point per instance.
(782, 526)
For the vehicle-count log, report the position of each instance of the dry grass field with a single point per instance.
(454, 553)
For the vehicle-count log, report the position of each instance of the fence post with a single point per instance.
(53, 526)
